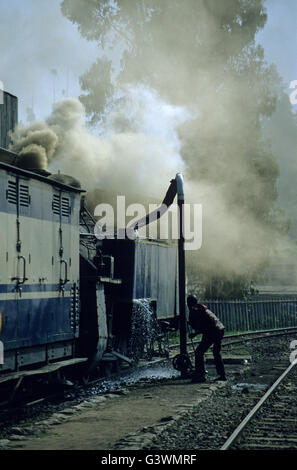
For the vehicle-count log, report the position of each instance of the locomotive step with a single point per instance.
(42, 370)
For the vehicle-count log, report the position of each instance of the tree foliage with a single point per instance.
(201, 54)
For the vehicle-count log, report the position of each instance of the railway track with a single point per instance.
(210, 432)
(239, 338)
(234, 340)
(271, 424)
(7, 410)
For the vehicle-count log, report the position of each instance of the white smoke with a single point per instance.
(138, 148)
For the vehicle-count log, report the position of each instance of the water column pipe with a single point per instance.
(181, 265)
(181, 362)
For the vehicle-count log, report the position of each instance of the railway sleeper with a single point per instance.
(277, 427)
(271, 439)
(265, 447)
(24, 381)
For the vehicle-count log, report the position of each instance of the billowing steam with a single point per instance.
(36, 144)
(138, 151)
(139, 143)
(201, 114)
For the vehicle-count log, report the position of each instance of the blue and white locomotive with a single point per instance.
(66, 298)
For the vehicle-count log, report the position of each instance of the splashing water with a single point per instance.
(144, 330)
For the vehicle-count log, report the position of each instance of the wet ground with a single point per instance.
(154, 408)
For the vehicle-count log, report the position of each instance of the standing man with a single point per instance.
(202, 320)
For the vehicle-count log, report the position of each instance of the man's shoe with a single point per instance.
(188, 375)
(198, 380)
(220, 378)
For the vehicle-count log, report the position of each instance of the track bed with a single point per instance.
(157, 410)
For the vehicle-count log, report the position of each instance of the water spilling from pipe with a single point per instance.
(144, 330)
(252, 386)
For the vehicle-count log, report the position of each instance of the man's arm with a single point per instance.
(195, 321)
(194, 333)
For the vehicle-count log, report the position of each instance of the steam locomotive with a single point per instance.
(67, 299)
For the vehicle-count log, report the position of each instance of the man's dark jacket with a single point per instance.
(204, 321)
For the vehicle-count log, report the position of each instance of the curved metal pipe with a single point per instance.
(180, 187)
(157, 213)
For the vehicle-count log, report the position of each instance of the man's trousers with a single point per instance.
(206, 342)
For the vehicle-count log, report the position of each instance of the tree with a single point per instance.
(97, 82)
(281, 131)
(201, 54)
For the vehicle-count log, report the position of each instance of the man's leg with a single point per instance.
(199, 357)
(218, 358)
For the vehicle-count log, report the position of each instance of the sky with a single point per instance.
(44, 54)
(279, 38)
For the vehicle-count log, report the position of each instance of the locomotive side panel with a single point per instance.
(155, 275)
(40, 246)
(8, 264)
(148, 270)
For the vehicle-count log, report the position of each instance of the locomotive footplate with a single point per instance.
(49, 368)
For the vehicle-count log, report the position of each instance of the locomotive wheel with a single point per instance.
(182, 363)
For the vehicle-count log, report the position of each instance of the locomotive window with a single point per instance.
(61, 206)
(13, 194)
(56, 204)
(24, 195)
(65, 207)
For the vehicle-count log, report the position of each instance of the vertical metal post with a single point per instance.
(181, 266)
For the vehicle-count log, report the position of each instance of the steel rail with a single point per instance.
(256, 408)
(259, 334)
